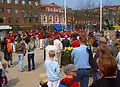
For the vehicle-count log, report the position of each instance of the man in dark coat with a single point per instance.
(66, 42)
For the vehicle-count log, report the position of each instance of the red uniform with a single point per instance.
(76, 43)
(40, 35)
(67, 80)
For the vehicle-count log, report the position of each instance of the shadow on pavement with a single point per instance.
(15, 63)
(13, 82)
(37, 65)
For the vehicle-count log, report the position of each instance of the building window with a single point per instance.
(8, 1)
(59, 10)
(1, 20)
(1, 9)
(51, 19)
(57, 19)
(30, 20)
(30, 3)
(16, 2)
(36, 3)
(47, 9)
(9, 21)
(56, 10)
(23, 2)
(8, 10)
(16, 11)
(45, 18)
(16, 21)
(51, 9)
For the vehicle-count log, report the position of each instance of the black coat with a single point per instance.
(66, 42)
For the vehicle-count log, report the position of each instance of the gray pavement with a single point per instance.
(27, 79)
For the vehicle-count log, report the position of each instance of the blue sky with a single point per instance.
(79, 4)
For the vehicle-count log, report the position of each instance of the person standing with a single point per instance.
(66, 42)
(31, 48)
(52, 70)
(50, 47)
(20, 50)
(59, 46)
(9, 49)
(81, 61)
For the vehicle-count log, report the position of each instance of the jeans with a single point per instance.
(31, 58)
(83, 77)
(21, 58)
(95, 76)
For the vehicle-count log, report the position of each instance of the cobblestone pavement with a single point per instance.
(27, 79)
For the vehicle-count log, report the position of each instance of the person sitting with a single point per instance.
(69, 81)
(107, 68)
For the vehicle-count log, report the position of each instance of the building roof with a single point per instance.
(51, 5)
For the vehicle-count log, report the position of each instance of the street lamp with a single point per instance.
(100, 15)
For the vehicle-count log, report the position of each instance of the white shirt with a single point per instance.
(51, 47)
(118, 59)
(58, 44)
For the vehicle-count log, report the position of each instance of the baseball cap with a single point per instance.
(70, 68)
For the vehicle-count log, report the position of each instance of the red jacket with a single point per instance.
(67, 80)
(76, 43)
(40, 36)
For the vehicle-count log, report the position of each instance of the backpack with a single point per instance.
(91, 59)
(20, 47)
(63, 84)
(31, 46)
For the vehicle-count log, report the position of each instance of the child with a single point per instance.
(52, 70)
(4, 77)
(69, 81)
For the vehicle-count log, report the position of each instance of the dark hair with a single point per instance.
(107, 65)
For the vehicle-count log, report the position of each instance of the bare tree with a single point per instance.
(31, 11)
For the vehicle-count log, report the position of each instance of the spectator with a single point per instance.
(114, 50)
(4, 77)
(59, 46)
(107, 67)
(70, 71)
(31, 48)
(9, 49)
(81, 61)
(52, 70)
(20, 50)
(66, 42)
(51, 47)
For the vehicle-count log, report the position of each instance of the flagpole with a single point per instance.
(65, 14)
(100, 15)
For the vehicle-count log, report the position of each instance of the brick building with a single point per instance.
(20, 12)
(51, 14)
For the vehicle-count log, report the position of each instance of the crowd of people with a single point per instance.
(93, 54)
